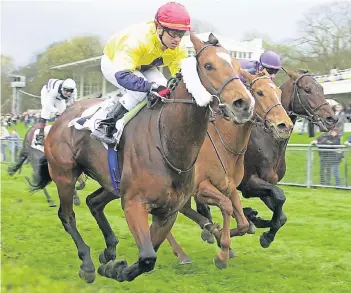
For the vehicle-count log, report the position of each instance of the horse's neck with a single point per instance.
(235, 136)
(287, 89)
(183, 128)
(287, 98)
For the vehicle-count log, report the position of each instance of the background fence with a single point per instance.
(307, 165)
(322, 166)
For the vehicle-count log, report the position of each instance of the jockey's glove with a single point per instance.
(160, 90)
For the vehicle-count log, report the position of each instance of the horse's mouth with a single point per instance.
(237, 118)
(323, 125)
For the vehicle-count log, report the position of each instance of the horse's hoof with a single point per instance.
(232, 253)
(102, 258)
(185, 260)
(51, 204)
(101, 270)
(264, 241)
(76, 201)
(207, 236)
(119, 267)
(88, 277)
(219, 264)
(252, 228)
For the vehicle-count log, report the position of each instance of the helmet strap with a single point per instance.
(160, 36)
(163, 31)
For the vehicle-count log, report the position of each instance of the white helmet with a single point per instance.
(68, 86)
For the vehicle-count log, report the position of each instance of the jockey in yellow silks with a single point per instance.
(131, 58)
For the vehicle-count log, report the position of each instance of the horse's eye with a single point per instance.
(208, 66)
(307, 90)
(260, 93)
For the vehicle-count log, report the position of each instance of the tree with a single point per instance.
(326, 36)
(7, 67)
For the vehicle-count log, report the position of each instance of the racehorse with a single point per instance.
(37, 160)
(220, 165)
(157, 151)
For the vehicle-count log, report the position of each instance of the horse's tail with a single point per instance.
(41, 175)
(12, 169)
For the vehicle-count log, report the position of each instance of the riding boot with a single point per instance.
(40, 137)
(104, 132)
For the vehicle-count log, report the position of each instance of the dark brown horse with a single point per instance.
(157, 151)
(302, 96)
(220, 165)
(37, 160)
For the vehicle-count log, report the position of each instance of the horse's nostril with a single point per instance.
(282, 127)
(241, 105)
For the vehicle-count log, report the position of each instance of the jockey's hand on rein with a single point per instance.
(160, 90)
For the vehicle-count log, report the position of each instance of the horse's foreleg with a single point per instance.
(137, 219)
(67, 217)
(211, 195)
(183, 258)
(238, 214)
(274, 199)
(96, 203)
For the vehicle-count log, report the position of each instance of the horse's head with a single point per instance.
(219, 74)
(304, 96)
(268, 106)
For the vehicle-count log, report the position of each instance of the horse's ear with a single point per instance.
(247, 76)
(213, 40)
(302, 71)
(293, 74)
(198, 44)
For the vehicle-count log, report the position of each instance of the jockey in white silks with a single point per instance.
(55, 95)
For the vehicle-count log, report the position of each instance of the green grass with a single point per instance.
(310, 254)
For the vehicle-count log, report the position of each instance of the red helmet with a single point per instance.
(173, 16)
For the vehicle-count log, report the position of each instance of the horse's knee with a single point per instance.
(279, 196)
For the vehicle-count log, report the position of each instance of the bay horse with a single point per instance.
(157, 151)
(37, 160)
(265, 166)
(220, 165)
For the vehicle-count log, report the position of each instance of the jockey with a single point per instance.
(55, 95)
(132, 55)
(269, 60)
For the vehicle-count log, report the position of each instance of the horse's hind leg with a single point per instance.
(96, 203)
(48, 198)
(65, 187)
(81, 182)
(183, 258)
(76, 199)
(204, 222)
(19, 162)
